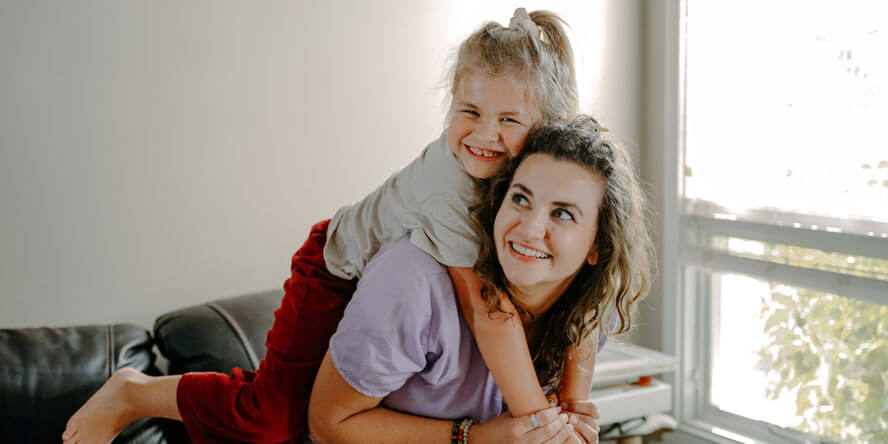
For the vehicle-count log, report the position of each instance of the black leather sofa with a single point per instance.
(46, 374)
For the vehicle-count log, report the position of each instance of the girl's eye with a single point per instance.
(520, 199)
(509, 120)
(561, 213)
(470, 112)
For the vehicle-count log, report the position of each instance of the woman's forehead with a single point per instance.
(557, 180)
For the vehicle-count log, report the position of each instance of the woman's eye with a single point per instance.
(519, 199)
(509, 120)
(561, 213)
(470, 112)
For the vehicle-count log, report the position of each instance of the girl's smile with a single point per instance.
(484, 155)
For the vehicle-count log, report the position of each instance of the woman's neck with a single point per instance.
(538, 300)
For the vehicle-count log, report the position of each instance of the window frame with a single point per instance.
(685, 281)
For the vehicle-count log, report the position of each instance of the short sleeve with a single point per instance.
(448, 233)
(381, 341)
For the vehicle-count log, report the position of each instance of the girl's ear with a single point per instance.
(592, 259)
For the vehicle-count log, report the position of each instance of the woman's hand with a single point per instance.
(552, 429)
(583, 417)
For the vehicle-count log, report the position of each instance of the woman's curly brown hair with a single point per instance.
(622, 277)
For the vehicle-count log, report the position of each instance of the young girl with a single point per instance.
(505, 81)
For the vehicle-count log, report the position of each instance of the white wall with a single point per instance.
(159, 154)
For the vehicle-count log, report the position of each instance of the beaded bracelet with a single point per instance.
(460, 432)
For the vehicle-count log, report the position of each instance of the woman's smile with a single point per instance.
(527, 254)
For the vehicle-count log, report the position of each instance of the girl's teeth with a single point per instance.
(484, 153)
(529, 252)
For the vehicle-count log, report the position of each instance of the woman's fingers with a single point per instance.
(584, 418)
(587, 432)
(555, 432)
(578, 418)
(572, 436)
(543, 417)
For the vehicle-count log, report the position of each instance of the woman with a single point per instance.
(567, 243)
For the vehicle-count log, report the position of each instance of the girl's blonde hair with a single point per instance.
(602, 294)
(539, 56)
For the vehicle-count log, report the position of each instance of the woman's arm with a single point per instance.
(339, 413)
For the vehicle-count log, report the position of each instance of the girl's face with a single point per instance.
(489, 120)
(545, 228)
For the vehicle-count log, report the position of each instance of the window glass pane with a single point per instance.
(801, 359)
(786, 106)
(812, 258)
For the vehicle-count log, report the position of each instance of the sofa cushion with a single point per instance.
(46, 374)
(218, 335)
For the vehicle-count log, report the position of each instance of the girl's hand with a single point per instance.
(583, 417)
(553, 398)
(552, 429)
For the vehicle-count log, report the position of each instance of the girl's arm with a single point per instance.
(579, 365)
(339, 413)
(502, 343)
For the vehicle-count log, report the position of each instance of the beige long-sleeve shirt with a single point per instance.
(430, 198)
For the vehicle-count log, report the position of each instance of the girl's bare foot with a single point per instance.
(106, 413)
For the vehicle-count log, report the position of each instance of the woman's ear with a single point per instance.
(592, 259)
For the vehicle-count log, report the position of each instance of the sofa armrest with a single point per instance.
(46, 374)
(218, 335)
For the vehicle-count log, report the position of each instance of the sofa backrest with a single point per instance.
(219, 335)
(46, 374)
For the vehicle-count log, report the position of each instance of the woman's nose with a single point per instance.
(534, 225)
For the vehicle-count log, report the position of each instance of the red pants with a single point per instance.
(271, 404)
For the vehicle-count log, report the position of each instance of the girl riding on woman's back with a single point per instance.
(505, 81)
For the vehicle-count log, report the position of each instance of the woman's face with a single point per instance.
(545, 228)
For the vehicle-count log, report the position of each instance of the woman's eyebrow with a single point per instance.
(523, 189)
(568, 205)
(527, 191)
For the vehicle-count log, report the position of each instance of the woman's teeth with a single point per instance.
(482, 152)
(528, 252)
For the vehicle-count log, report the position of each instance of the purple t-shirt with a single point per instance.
(403, 338)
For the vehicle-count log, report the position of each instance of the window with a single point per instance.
(784, 218)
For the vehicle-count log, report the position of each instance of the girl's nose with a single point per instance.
(487, 131)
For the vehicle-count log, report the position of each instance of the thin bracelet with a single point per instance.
(459, 434)
(468, 422)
